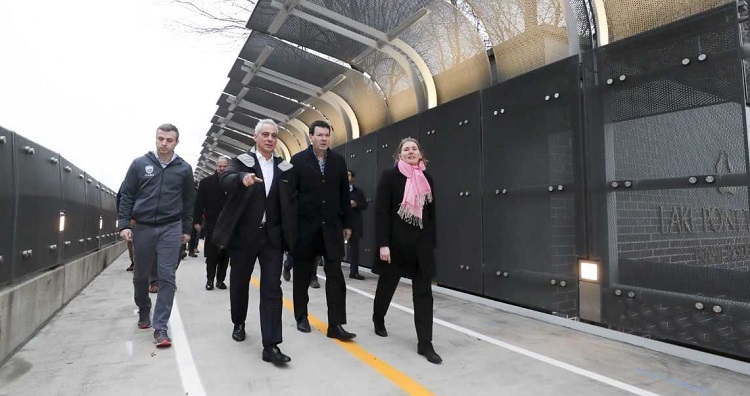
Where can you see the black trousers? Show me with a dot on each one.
(304, 268)
(353, 256)
(421, 290)
(243, 262)
(194, 237)
(217, 261)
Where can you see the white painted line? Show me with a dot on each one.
(191, 381)
(542, 358)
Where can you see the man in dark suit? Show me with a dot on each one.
(208, 203)
(323, 222)
(257, 223)
(359, 203)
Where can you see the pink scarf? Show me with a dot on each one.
(417, 192)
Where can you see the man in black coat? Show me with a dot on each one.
(208, 203)
(257, 223)
(323, 222)
(358, 203)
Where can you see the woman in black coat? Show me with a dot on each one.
(405, 232)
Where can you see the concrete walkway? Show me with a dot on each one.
(92, 347)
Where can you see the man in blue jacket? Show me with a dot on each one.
(158, 193)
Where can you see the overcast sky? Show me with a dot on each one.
(92, 79)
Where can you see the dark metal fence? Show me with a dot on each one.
(50, 210)
(633, 155)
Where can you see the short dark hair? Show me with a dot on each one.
(352, 172)
(318, 123)
(169, 128)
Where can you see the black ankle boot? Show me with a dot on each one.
(380, 328)
(425, 349)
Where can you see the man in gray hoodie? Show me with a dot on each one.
(158, 193)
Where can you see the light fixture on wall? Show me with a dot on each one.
(589, 290)
(589, 270)
(101, 222)
(62, 221)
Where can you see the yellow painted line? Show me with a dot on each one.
(403, 381)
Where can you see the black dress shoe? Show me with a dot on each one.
(425, 349)
(314, 283)
(380, 330)
(192, 254)
(339, 333)
(303, 325)
(221, 285)
(357, 277)
(209, 285)
(238, 334)
(273, 354)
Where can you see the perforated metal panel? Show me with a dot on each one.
(396, 86)
(626, 18)
(260, 97)
(94, 204)
(37, 174)
(366, 99)
(361, 157)
(359, 92)
(525, 34)
(668, 186)
(451, 138)
(389, 138)
(7, 204)
(74, 205)
(108, 233)
(533, 188)
(452, 49)
(290, 60)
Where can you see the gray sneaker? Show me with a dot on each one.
(144, 319)
(161, 339)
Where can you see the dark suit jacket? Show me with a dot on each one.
(209, 201)
(357, 196)
(322, 204)
(410, 246)
(240, 219)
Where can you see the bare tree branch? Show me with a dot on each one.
(225, 18)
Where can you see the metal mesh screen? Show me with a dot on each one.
(530, 141)
(237, 74)
(290, 60)
(366, 99)
(626, 18)
(357, 90)
(74, 205)
(525, 34)
(7, 203)
(452, 49)
(667, 177)
(304, 33)
(584, 22)
(394, 83)
(263, 98)
(39, 192)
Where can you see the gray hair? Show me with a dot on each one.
(266, 121)
(223, 157)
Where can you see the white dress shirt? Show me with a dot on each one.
(266, 166)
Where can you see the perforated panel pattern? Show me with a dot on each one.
(452, 49)
(525, 34)
(626, 18)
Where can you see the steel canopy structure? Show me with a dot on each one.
(363, 65)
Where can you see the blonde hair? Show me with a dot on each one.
(405, 140)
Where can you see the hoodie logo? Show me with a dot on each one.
(285, 166)
(149, 171)
(247, 160)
